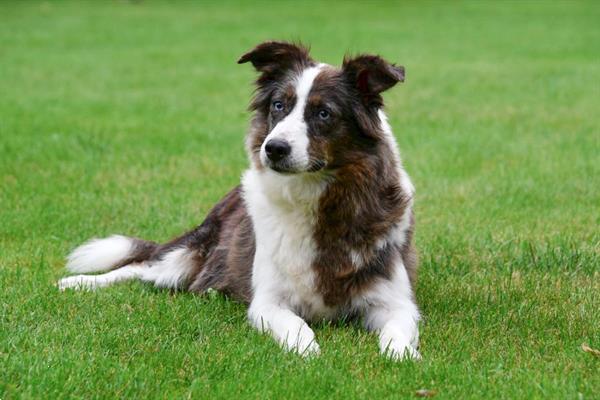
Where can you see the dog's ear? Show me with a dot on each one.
(371, 75)
(269, 58)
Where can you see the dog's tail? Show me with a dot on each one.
(99, 255)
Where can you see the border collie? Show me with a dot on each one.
(321, 226)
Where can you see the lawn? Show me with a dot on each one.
(129, 117)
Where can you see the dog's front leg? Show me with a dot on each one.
(285, 326)
(392, 312)
(270, 312)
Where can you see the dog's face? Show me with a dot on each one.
(311, 117)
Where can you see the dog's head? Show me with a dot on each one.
(310, 116)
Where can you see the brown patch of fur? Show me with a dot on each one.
(259, 130)
(361, 206)
(225, 264)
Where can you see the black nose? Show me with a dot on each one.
(277, 149)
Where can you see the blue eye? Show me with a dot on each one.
(278, 106)
(324, 114)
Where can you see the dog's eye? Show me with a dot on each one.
(278, 105)
(324, 114)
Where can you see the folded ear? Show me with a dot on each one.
(272, 57)
(372, 75)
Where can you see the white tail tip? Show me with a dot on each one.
(99, 254)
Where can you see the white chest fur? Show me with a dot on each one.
(283, 210)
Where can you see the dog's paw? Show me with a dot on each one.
(399, 350)
(303, 343)
(76, 282)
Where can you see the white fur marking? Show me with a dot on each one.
(293, 127)
(172, 270)
(391, 311)
(99, 254)
(91, 282)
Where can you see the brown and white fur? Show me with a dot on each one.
(321, 226)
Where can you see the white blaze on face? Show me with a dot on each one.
(293, 127)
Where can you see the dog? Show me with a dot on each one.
(320, 228)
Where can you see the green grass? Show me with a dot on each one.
(119, 117)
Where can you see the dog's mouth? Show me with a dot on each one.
(286, 169)
(282, 169)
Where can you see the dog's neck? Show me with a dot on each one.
(293, 192)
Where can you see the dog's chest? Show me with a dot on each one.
(284, 235)
(290, 244)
